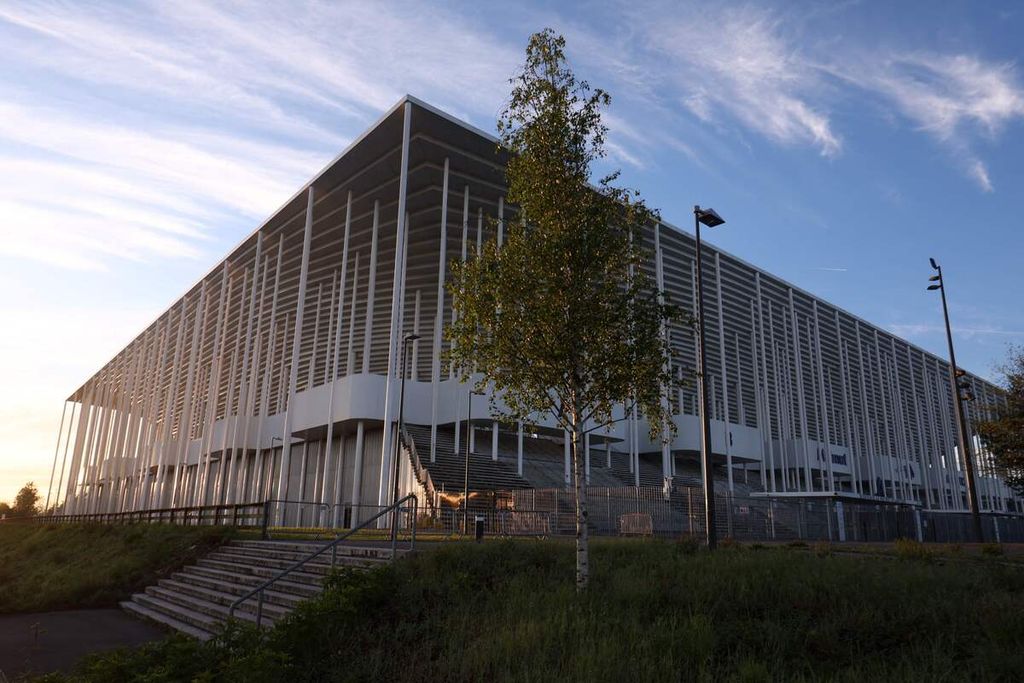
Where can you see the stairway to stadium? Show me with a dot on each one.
(449, 468)
(195, 601)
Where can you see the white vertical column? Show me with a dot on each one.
(332, 378)
(494, 441)
(435, 370)
(394, 338)
(245, 402)
(519, 448)
(72, 429)
(293, 370)
(586, 458)
(726, 418)
(201, 484)
(184, 430)
(371, 290)
(666, 446)
(259, 475)
(566, 458)
(868, 433)
(798, 361)
(823, 404)
(357, 473)
(767, 427)
(56, 453)
(169, 401)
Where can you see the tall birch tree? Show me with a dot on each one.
(561, 320)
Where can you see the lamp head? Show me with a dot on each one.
(708, 217)
(931, 287)
(934, 264)
(411, 337)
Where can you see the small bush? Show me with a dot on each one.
(992, 549)
(688, 544)
(909, 549)
(728, 543)
(823, 549)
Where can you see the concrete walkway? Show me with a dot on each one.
(54, 641)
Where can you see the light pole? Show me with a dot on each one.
(961, 422)
(465, 486)
(406, 340)
(709, 218)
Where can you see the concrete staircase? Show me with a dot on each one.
(195, 600)
(449, 468)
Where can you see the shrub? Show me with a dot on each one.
(992, 549)
(909, 549)
(823, 549)
(688, 544)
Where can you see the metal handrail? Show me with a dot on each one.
(233, 513)
(422, 473)
(333, 547)
(265, 532)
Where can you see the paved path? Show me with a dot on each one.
(50, 641)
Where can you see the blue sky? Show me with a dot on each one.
(844, 142)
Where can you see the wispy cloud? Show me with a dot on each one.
(755, 75)
(954, 98)
(831, 270)
(917, 330)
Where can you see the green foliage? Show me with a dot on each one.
(909, 549)
(657, 612)
(561, 319)
(992, 549)
(56, 566)
(25, 503)
(1003, 435)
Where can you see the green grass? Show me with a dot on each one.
(45, 567)
(656, 611)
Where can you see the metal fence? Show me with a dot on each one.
(649, 511)
(611, 512)
(242, 515)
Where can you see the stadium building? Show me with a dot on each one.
(278, 375)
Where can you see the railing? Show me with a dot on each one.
(422, 473)
(396, 508)
(238, 514)
(278, 509)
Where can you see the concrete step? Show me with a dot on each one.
(175, 611)
(205, 607)
(262, 572)
(322, 565)
(218, 597)
(237, 588)
(165, 620)
(342, 552)
(248, 581)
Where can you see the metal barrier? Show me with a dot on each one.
(547, 512)
(244, 515)
(395, 508)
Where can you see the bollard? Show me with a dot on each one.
(478, 528)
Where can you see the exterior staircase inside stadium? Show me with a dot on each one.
(448, 471)
(195, 601)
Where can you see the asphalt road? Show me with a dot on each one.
(53, 641)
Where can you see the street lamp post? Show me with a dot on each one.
(961, 422)
(709, 218)
(406, 340)
(465, 486)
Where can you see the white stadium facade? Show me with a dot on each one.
(278, 375)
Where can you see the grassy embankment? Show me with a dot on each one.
(46, 567)
(655, 611)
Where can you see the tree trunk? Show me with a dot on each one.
(582, 539)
